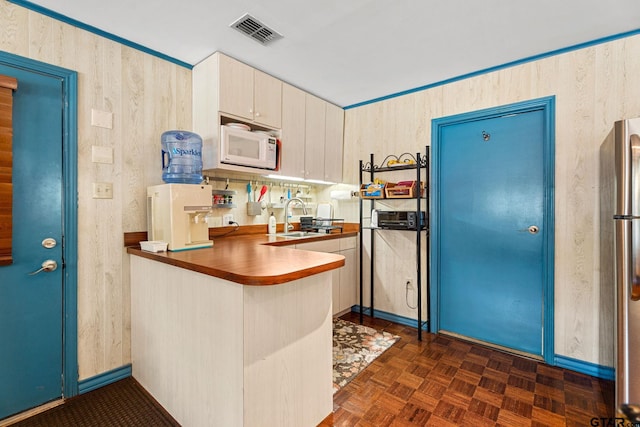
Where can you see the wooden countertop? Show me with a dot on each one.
(255, 259)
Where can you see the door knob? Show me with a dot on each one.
(48, 265)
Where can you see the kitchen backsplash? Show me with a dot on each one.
(274, 198)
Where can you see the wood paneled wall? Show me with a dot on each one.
(147, 96)
(7, 86)
(594, 87)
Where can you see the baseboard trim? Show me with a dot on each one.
(599, 371)
(588, 368)
(402, 320)
(104, 379)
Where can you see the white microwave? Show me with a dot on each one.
(245, 148)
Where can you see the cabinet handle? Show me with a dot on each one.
(251, 110)
(257, 114)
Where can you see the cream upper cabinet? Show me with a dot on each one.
(267, 100)
(249, 93)
(310, 129)
(333, 143)
(293, 131)
(236, 87)
(315, 137)
(312, 137)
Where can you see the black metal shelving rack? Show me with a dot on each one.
(421, 164)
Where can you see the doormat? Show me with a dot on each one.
(354, 348)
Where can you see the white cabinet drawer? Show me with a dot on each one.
(348, 243)
(332, 245)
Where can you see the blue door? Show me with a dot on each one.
(491, 231)
(31, 305)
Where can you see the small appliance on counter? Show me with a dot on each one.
(399, 220)
(176, 215)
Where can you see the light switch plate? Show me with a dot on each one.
(101, 154)
(103, 119)
(103, 190)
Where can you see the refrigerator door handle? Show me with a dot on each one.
(624, 271)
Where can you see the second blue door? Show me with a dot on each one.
(31, 304)
(491, 228)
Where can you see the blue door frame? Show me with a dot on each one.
(547, 106)
(70, 210)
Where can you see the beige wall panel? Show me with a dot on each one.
(117, 340)
(91, 288)
(184, 105)
(41, 40)
(133, 140)
(576, 156)
(14, 30)
(146, 96)
(593, 88)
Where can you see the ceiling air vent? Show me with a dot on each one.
(255, 29)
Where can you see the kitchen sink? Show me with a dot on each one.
(299, 234)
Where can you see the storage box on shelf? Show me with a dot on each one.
(403, 190)
(372, 191)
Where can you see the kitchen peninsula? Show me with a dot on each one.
(235, 335)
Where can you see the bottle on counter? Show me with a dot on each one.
(181, 157)
(272, 224)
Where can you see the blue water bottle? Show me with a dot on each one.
(181, 157)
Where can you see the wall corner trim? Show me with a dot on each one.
(401, 320)
(588, 368)
(104, 379)
(97, 31)
(497, 67)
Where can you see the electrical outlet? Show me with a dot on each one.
(409, 283)
(227, 219)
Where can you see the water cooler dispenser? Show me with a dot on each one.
(176, 215)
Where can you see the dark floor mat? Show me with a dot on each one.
(123, 403)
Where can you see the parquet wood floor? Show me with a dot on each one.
(444, 381)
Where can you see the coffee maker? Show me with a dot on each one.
(176, 214)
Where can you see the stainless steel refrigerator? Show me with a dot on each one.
(620, 250)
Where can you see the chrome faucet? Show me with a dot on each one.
(288, 226)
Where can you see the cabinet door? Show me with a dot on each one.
(236, 88)
(315, 136)
(333, 147)
(335, 291)
(293, 131)
(348, 281)
(267, 100)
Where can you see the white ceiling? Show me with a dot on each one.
(353, 51)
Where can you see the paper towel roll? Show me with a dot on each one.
(340, 194)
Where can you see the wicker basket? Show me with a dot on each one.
(403, 190)
(372, 191)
